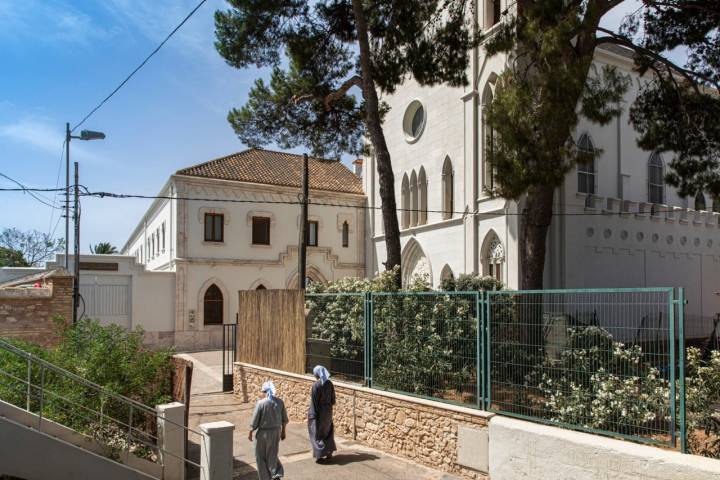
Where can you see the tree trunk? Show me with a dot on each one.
(377, 138)
(536, 219)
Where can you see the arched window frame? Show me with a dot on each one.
(413, 199)
(213, 306)
(488, 135)
(587, 173)
(405, 201)
(422, 197)
(447, 189)
(656, 179)
(700, 202)
(493, 258)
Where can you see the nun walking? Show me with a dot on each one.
(320, 415)
(269, 420)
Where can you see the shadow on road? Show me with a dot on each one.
(348, 458)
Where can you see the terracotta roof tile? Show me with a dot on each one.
(278, 168)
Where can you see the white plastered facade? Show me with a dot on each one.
(678, 247)
(235, 263)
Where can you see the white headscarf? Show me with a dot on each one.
(269, 388)
(321, 373)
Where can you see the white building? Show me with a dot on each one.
(436, 137)
(233, 224)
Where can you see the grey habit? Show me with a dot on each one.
(268, 418)
(320, 419)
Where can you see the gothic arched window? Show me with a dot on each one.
(213, 306)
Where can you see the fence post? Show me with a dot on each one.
(488, 347)
(42, 393)
(681, 369)
(369, 337)
(171, 439)
(479, 352)
(29, 380)
(216, 451)
(673, 368)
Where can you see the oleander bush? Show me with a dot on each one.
(703, 402)
(603, 384)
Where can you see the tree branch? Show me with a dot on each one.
(354, 81)
(689, 75)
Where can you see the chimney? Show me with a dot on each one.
(358, 167)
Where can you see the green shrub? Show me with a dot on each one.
(603, 384)
(703, 403)
(109, 356)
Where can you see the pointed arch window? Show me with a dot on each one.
(656, 179)
(405, 201)
(447, 189)
(586, 171)
(345, 234)
(716, 204)
(422, 197)
(213, 306)
(488, 139)
(261, 287)
(493, 257)
(413, 199)
(700, 203)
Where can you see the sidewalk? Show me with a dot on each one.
(352, 461)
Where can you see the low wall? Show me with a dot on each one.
(522, 450)
(445, 437)
(28, 312)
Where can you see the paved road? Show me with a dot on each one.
(352, 460)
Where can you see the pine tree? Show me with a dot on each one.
(321, 53)
(551, 81)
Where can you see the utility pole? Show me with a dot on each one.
(76, 284)
(302, 251)
(67, 196)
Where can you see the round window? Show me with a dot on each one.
(414, 121)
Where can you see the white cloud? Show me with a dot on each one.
(41, 135)
(52, 22)
(155, 20)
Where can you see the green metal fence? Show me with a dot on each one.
(603, 360)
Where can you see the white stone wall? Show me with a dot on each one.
(521, 450)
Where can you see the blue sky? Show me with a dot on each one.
(60, 58)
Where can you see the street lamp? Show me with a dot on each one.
(84, 135)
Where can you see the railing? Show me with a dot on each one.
(229, 355)
(607, 361)
(120, 425)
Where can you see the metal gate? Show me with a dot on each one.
(229, 355)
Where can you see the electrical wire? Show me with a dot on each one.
(85, 192)
(32, 192)
(142, 64)
(57, 184)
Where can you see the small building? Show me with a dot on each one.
(233, 224)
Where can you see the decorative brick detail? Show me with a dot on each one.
(28, 313)
(423, 431)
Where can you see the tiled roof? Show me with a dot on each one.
(278, 168)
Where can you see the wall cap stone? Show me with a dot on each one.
(620, 447)
(383, 393)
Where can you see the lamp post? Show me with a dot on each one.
(84, 135)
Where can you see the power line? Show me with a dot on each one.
(121, 196)
(32, 192)
(57, 184)
(142, 64)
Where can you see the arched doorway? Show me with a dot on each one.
(414, 263)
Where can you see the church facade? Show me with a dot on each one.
(616, 223)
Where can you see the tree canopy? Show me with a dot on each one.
(551, 81)
(29, 247)
(103, 248)
(320, 53)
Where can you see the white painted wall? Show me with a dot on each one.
(523, 450)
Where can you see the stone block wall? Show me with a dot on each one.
(28, 313)
(420, 430)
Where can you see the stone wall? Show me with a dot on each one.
(28, 312)
(423, 431)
